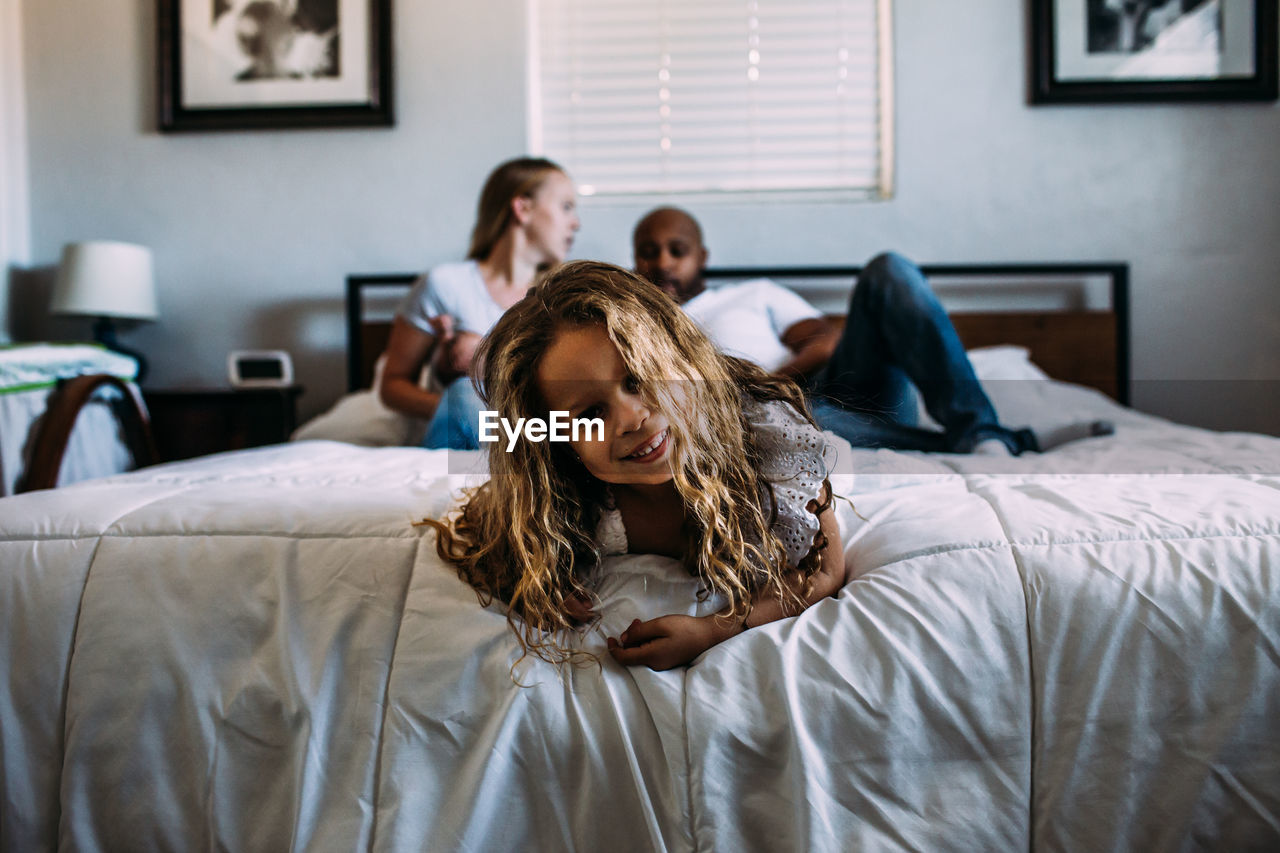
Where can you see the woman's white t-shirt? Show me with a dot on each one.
(456, 289)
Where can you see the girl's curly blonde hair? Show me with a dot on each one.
(527, 535)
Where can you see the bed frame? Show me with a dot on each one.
(1073, 318)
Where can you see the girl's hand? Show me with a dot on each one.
(579, 609)
(665, 642)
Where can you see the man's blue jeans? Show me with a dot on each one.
(456, 424)
(897, 335)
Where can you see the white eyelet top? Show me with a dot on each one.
(795, 462)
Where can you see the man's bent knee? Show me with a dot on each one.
(891, 273)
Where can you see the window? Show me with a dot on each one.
(713, 96)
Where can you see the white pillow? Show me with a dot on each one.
(1004, 362)
(361, 418)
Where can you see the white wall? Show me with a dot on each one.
(254, 232)
(15, 209)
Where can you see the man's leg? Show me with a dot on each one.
(897, 334)
(863, 428)
(456, 422)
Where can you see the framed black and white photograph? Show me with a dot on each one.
(252, 64)
(1097, 51)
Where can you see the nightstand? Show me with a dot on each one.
(191, 422)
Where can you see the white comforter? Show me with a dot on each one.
(260, 651)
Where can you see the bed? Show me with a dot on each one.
(1071, 320)
(57, 426)
(260, 650)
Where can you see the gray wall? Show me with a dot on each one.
(254, 232)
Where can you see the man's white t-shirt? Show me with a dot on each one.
(456, 289)
(749, 319)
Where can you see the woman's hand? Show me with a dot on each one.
(666, 642)
(454, 351)
(461, 351)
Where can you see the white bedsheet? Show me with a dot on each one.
(261, 651)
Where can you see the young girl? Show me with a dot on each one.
(704, 458)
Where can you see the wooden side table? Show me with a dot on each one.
(191, 422)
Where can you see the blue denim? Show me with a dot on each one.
(897, 335)
(456, 425)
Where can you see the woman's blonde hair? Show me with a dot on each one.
(518, 178)
(527, 536)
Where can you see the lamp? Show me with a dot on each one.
(109, 281)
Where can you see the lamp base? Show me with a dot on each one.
(104, 332)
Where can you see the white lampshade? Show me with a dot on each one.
(105, 279)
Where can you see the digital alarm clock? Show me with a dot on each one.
(270, 368)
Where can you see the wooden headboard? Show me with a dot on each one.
(1073, 318)
(371, 303)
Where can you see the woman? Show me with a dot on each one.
(525, 223)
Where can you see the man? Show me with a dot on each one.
(859, 380)
(757, 320)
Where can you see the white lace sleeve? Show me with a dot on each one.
(611, 533)
(795, 462)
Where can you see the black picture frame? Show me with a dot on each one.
(307, 105)
(1049, 85)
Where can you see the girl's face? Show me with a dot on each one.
(583, 373)
(550, 217)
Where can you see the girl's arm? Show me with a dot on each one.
(675, 640)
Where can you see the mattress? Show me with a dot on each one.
(261, 650)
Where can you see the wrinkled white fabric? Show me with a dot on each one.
(261, 651)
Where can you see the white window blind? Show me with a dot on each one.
(694, 96)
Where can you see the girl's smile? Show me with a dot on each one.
(651, 450)
(583, 373)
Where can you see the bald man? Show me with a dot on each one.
(859, 380)
(757, 320)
